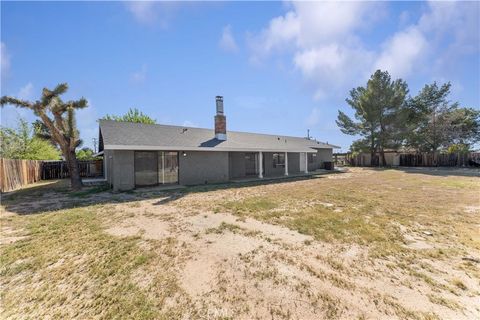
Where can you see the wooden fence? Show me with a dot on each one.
(15, 173)
(424, 159)
(471, 159)
(356, 160)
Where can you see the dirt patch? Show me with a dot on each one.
(9, 235)
(417, 242)
(472, 209)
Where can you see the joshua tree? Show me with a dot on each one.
(59, 119)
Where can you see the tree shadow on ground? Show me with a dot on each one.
(56, 195)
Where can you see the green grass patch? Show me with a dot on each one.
(67, 266)
(324, 223)
(223, 227)
(88, 191)
(251, 205)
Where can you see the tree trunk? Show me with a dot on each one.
(372, 151)
(75, 180)
(382, 154)
(382, 145)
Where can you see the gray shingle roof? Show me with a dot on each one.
(139, 136)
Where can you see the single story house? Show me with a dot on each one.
(137, 154)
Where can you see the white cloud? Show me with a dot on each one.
(152, 13)
(321, 36)
(333, 66)
(327, 57)
(326, 45)
(143, 11)
(25, 93)
(312, 24)
(445, 32)
(442, 15)
(139, 76)
(402, 52)
(458, 21)
(325, 22)
(334, 61)
(282, 31)
(4, 59)
(227, 41)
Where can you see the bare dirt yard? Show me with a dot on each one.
(365, 244)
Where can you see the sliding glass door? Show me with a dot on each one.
(155, 167)
(167, 167)
(146, 168)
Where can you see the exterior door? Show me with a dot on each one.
(167, 167)
(303, 160)
(250, 164)
(146, 168)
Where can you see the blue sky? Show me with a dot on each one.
(282, 67)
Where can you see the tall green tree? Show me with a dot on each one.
(463, 126)
(59, 118)
(378, 109)
(426, 117)
(435, 123)
(21, 143)
(133, 115)
(85, 154)
(360, 145)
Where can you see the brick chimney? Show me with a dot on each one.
(220, 120)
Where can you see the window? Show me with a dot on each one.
(278, 160)
(312, 157)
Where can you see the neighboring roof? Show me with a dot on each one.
(118, 135)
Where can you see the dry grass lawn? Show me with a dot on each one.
(366, 244)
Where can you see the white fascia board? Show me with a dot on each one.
(174, 148)
(324, 147)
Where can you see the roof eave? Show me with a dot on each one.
(327, 146)
(179, 148)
